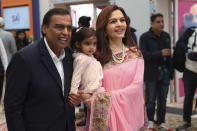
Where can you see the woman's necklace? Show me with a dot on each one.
(119, 59)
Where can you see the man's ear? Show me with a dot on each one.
(44, 29)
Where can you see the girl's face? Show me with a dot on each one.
(88, 45)
(21, 36)
(116, 26)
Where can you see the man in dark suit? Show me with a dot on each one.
(38, 80)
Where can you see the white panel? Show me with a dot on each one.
(44, 7)
(139, 13)
(162, 6)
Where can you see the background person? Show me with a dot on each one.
(3, 67)
(21, 39)
(84, 21)
(8, 40)
(155, 46)
(188, 42)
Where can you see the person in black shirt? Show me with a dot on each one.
(155, 46)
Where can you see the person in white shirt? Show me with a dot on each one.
(3, 55)
(4, 62)
(87, 74)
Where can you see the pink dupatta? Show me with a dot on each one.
(121, 106)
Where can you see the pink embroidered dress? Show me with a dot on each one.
(121, 106)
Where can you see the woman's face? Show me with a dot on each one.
(116, 26)
(21, 36)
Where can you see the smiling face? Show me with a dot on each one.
(88, 45)
(58, 32)
(116, 26)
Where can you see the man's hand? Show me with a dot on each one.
(166, 52)
(75, 99)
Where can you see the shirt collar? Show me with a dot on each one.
(52, 54)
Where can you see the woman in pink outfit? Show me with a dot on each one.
(119, 104)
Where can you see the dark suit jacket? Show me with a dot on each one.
(34, 99)
(151, 46)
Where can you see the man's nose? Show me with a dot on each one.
(65, 30)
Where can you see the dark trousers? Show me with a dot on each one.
(190, 84)
(157, 90)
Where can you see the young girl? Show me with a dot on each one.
(87, 74)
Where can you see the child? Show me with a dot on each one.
(87, 74)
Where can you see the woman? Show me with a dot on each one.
(21, 39)
(119, 106)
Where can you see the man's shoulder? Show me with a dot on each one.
(7, 33)
(146, 34)
(31, 49)
(166, 34)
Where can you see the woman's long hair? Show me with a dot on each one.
(104, 50)
(21, 43)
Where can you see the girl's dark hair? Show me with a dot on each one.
(105, 53)
(78, 35)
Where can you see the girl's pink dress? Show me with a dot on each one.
(121, 106)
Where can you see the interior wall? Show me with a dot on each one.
(162, 6)
(139, 13)
(44, 7)
(10, 3)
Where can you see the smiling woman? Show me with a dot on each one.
(119, 105)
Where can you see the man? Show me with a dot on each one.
(155, 45)
(8, 40)
(187, 44)
(38, 80)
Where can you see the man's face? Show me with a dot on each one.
(158, 24)
(58, 32)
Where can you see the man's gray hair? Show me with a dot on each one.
(2, 23)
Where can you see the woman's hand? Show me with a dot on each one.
(75, 99)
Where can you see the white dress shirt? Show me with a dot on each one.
(58, 62)
(3, 55)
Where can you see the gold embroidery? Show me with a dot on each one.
(101, 108)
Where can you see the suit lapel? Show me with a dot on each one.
(49, 64)
(67, 64)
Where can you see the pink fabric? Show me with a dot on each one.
(125, 81)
